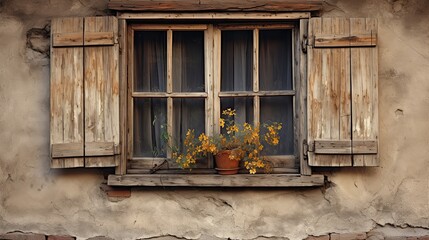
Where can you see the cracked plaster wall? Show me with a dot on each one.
(34, 198)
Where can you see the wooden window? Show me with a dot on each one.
(118, 86)
(256, 79)
(169, 92)
(174, 87)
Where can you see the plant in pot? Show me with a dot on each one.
(236, 142)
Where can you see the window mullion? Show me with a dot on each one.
(256, 100)
(216, 78)
(130, 89)
(208, 55)
(169, 90)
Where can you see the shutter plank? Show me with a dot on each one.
(100, 149)
(345, 40)
(67, 39)
(365, 93)
(333, 147)
(101, 91)
(99, 38)
(66, 99)
(328, 92)
(61, 150)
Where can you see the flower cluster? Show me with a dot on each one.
(244, 140)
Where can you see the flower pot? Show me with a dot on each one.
(224, 165)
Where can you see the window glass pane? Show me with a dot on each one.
(237, 60)
(279, 109)
(188, 61)
(243, 107)
(275, 60)
(150, 61)
(189, 113)
(150, 121)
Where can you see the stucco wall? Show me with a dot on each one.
(34, 198)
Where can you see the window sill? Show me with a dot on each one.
(216, 180)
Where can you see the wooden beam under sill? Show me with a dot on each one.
(215, 180)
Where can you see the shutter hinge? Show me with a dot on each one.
(304, 43)
(307, 147)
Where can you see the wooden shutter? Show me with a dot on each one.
(84, 92)
(342, 92)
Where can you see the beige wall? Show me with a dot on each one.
(34, 198)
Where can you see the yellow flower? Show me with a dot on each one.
(228, 112)
(275, 141)
(231, 129)
(222, 122)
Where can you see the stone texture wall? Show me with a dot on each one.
(388, 202)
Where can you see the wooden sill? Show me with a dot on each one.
(215, 180)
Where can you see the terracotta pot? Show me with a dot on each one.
(224, 165)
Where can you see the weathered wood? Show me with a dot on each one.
(100, 149)
(255, 77)
(293, 170)
(254, 26)
(215, 16)
(354, 67)
(170, 121)
(216, 79)
(170, 110)
(130, 89)
(173, 95)
(208, 83)
(172, 171)
(333, 147)
(169, 61)
(149, 163)
(216, 5)
(169, 26)
(98, 162)
(364, 147)
(67, 39)
(122, 32)
(259, 93)
(61, 150)
(282, 161)
(300, 75)
(328, 92)
(364, 78)
(67, 162)
(99, 38)
(101, 91)
(66, 100)
(216, 180)
(346, 40)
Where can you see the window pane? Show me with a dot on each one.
(279, 109)
(188, 61)
(275, 60)
(189, 113)
(150, 61)
(150, 121)
(237, 60)
(243, 107)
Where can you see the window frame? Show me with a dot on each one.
(169, 94)
(299, 76)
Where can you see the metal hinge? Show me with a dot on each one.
(304, 43)
(156, 167)
(307, 147)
